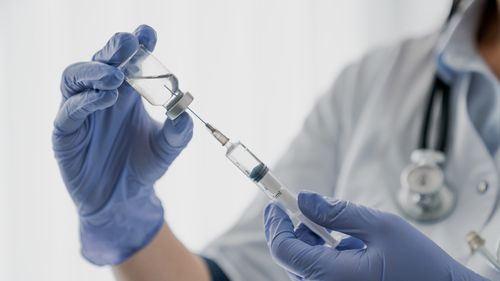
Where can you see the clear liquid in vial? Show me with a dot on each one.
(156, 89)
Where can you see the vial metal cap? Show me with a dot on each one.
(177, 105)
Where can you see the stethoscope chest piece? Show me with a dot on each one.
(424, 195)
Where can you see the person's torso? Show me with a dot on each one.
(387, 130)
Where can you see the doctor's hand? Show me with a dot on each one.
(394, 251)
(111, 152)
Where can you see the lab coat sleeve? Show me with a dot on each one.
(310, 163)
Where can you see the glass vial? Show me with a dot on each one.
(152, 80)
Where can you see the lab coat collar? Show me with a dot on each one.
(456, 49)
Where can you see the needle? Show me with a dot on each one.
(197, 116)
(219, 136)
(190, 110)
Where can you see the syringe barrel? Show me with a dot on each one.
(287, 200)
(264, 178)
(253, 168)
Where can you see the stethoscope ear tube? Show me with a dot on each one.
(439, 90)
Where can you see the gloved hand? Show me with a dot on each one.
(111, 152)
(395, 251)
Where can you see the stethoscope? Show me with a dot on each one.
(424, 195)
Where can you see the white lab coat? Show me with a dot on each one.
(354, 145)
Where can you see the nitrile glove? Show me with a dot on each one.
(111, 152)
(395, 251)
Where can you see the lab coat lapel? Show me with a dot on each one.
(469, 162)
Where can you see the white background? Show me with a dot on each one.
(254, 66)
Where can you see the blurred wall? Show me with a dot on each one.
(254, 66)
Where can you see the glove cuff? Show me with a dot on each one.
(116, 232)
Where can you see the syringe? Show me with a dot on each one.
(149, 77)
(259, 173)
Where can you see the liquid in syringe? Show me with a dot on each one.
(264, 178)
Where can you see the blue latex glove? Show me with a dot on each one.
(394, 249)
(111, 152)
